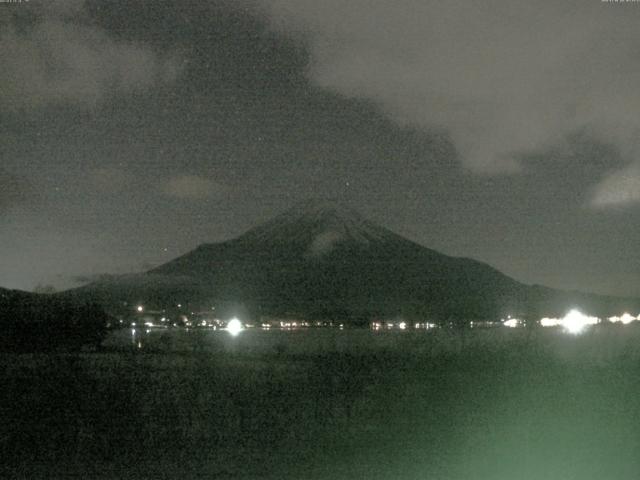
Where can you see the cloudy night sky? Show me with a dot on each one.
(506, 131)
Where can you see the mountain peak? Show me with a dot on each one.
(320, 222)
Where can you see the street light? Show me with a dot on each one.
(234, 326)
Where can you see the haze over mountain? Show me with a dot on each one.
(322, 260)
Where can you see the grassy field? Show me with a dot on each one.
(495, 404)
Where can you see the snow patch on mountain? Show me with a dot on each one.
(324, 242)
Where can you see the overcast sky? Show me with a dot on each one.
(506, 131)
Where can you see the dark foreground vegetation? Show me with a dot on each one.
(489, 405)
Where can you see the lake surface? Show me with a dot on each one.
(261, 341)
(328, 404)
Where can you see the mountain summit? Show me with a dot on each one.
(321, 222)
(322, 260)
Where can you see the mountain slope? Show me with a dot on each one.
(323, 260)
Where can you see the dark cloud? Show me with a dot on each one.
(504, 78)
(53, 58)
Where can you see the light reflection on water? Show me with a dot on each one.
(257, 340)
(431, 341)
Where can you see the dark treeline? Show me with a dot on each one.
(31, 322)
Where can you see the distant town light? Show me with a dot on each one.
(511, 323)
(234, 326)
(625, 319)
(575, 321)
(550, 322)
(140, 308)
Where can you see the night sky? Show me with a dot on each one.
(506, 131)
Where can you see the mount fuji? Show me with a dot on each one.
(322, 260)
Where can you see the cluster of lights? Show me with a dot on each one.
(576, 322)
(512, 322)
(624, 319)
(425, 326)
(573, 322)
(402, 325)
(550, 322)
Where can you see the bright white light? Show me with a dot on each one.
(402, 325)
(575, 321)
(625, 319)
(234, 326)
(511, 323)
(140, 308)
(550, 322)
